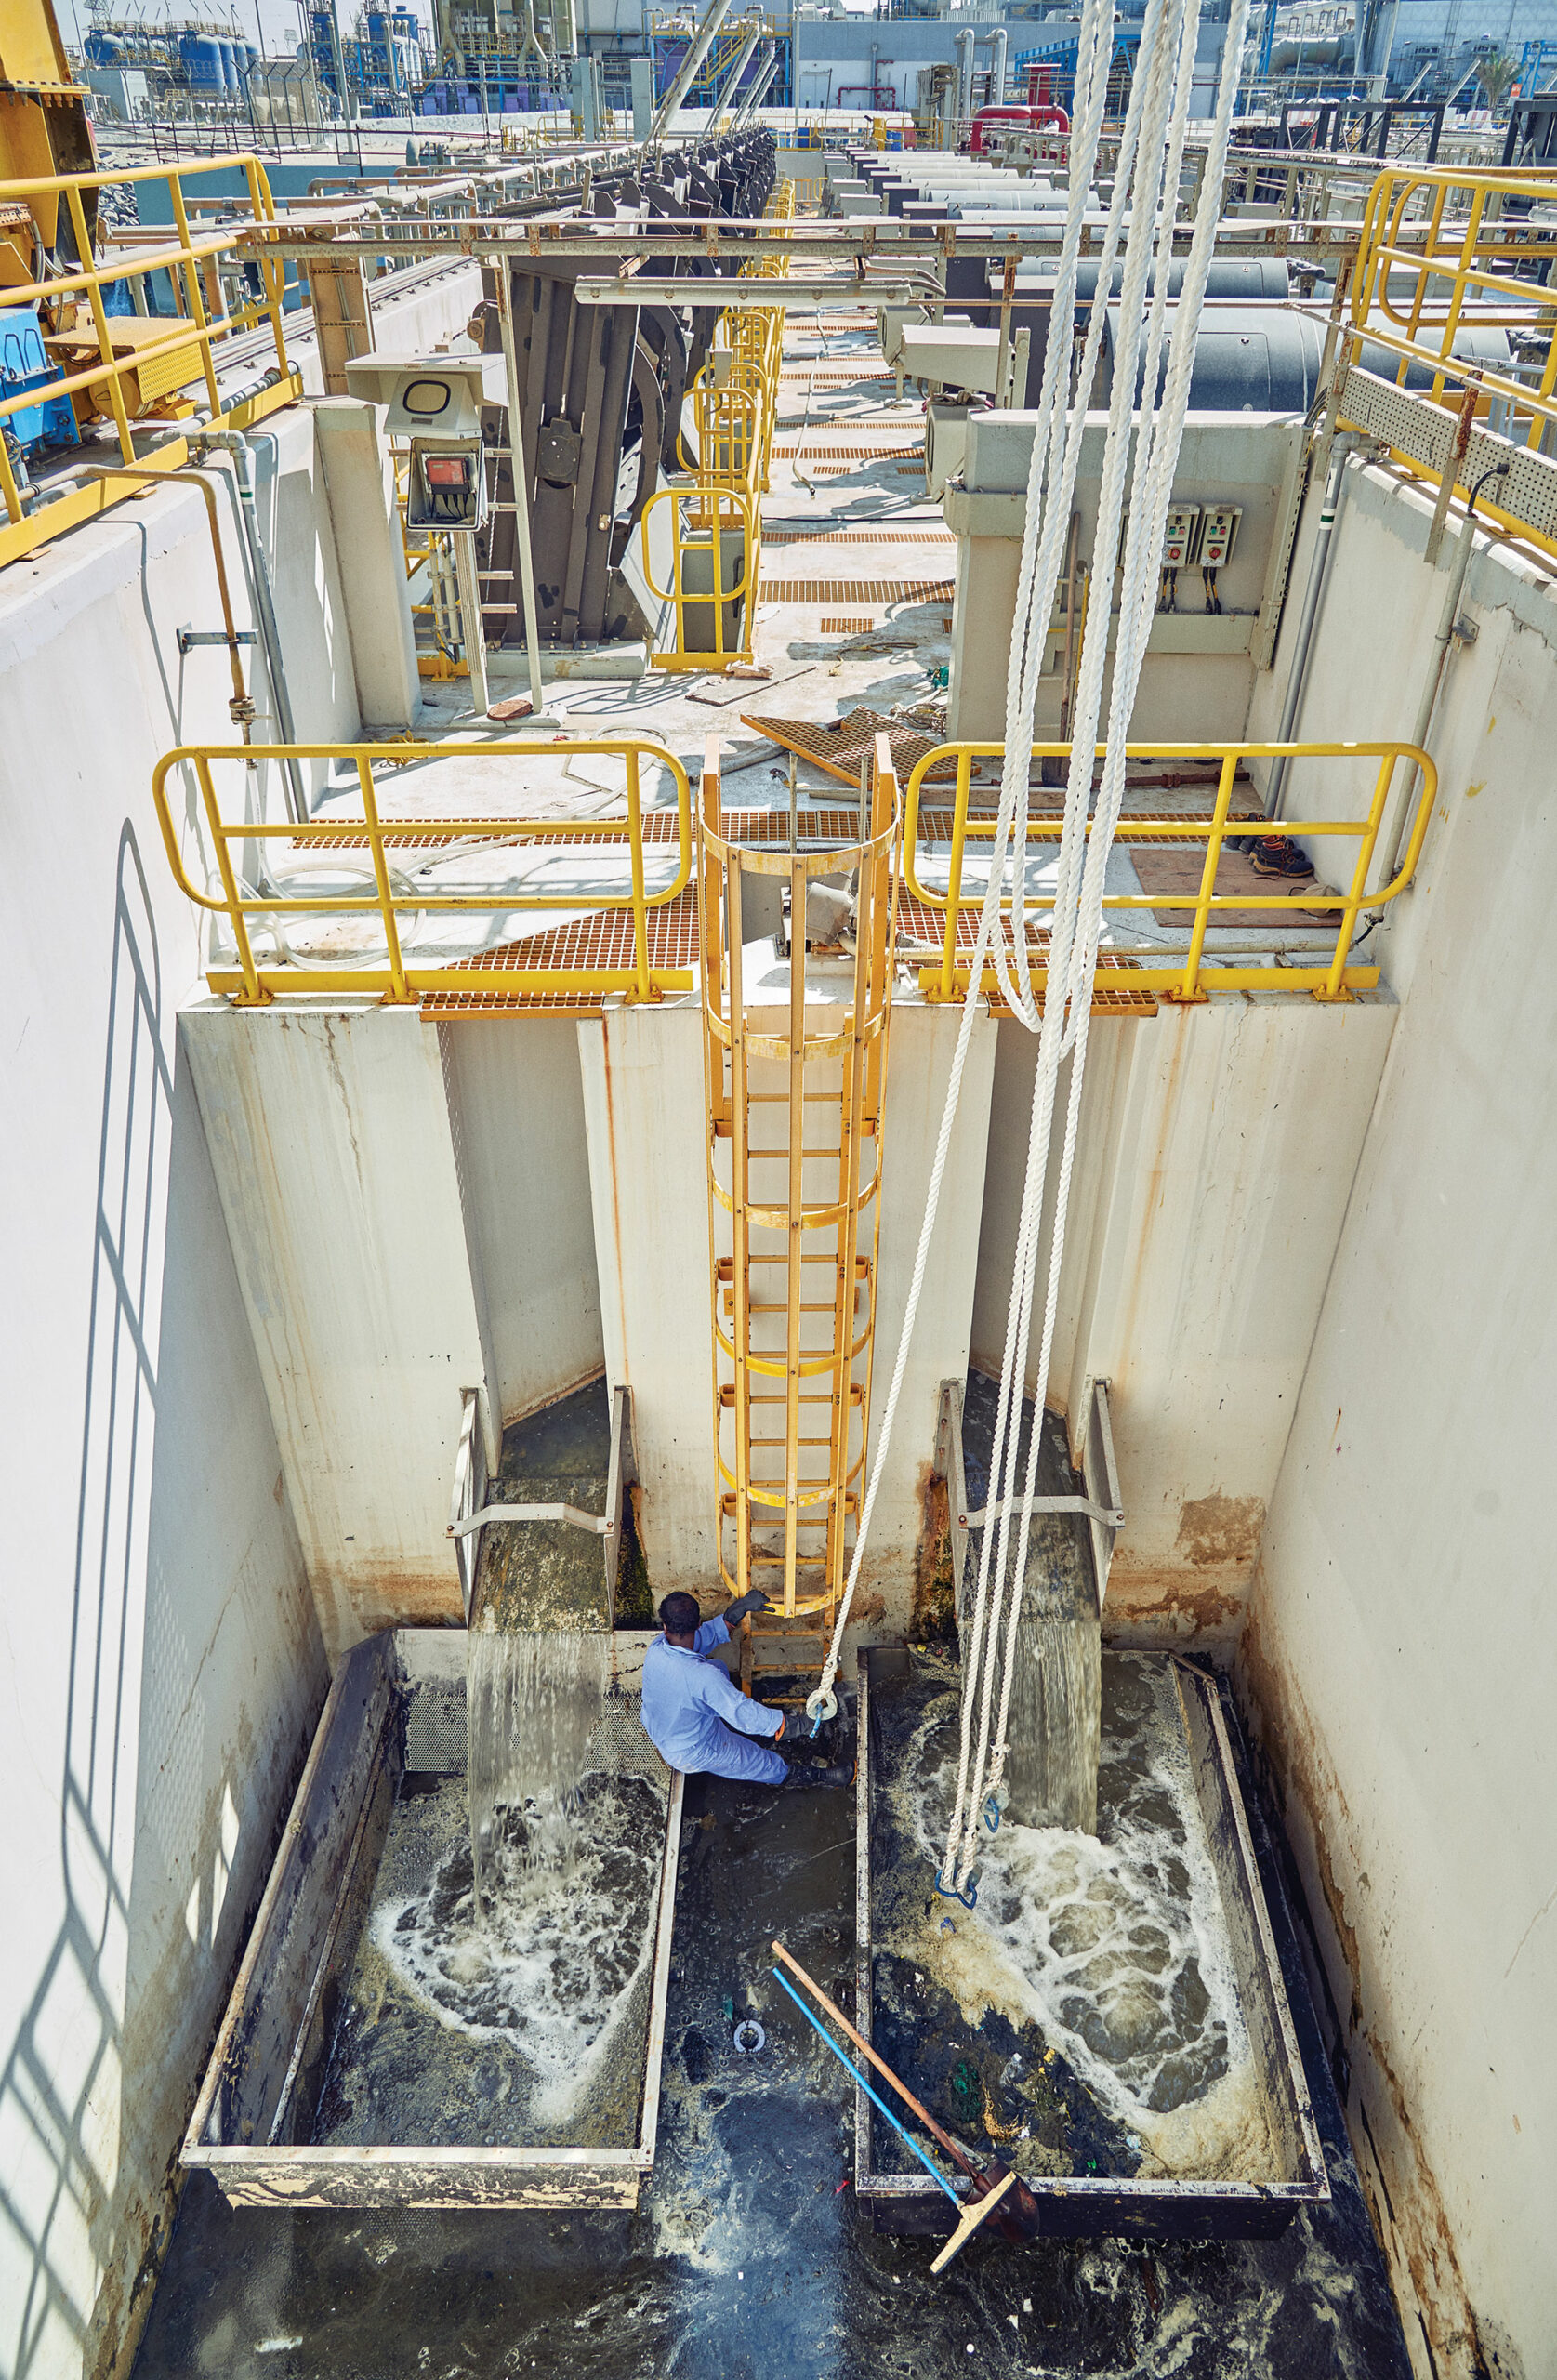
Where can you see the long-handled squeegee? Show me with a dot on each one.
(1018, 2216)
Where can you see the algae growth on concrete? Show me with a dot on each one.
(1083, 2017)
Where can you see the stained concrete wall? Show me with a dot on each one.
(1217, 1149)
(517, 1093)
(330, 1135)
(1400, 1655)
(161, 1670)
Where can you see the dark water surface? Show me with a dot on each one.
(748, 2258)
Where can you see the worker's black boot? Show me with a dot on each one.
(801, 1777)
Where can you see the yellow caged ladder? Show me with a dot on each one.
(795, 1084)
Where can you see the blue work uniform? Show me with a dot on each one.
(701, 1723)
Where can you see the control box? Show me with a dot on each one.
(1219, 535)
(1178, 536)
(447, 485)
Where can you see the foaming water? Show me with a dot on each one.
(1114, 1944)
(550, 1973)
(535, 1701)
(525, 2025)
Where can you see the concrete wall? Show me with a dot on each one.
(517, 1095)
(1400, 1657)
(161, 1670)
(330, 1135)
(1217, 1152)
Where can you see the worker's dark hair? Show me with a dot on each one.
(679, 1615)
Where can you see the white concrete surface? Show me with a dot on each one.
(643, 1107)
(359, 481)
(1217, 1153)
(516, 1095)
(161, 1667)
(919, 1068)
(329, 1133)
(1400, 1653)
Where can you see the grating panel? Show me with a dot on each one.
(845, 628)
(436, 1738)
(856, 590)
(831, 538)
(808, 454)
(840, 746)
(1422, 433)
(620, 1742)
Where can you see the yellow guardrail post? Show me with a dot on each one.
(1334, 989)
(954, 879)
(639, 914)
(401, 990)
(155, 365)
(253, 991)
(1190, 987)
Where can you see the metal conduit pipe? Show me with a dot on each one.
(997, 67)
(717, 12)
(964, 75)
(240, 706)
(1318, 570)
(233, 443)
(754, 98)
(1398, 818)
(743, 60)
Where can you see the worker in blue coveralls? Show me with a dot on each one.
(700, 1722)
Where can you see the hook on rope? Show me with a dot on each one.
(821, 1706)
(995, 1805)
(968, 1899)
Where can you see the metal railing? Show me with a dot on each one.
(401, 850)
(1192, 976)
(140, 378)
(1440, 252)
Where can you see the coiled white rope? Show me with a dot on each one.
(1155, 132)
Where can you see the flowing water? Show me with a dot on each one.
(1098, 1965)
(534, 1703)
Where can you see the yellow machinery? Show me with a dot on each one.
(795, 1096)
(44, 132)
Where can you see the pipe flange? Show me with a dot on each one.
(749, 2037)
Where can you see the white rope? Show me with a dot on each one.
(1166, 50)
(1163, 31)
(1156, 457)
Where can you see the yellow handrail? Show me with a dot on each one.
(204, 319)
(1190, 978)
(1459, 248)
(254, 982)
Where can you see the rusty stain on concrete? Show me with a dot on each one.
(1407, 2205)
(1220, 1531)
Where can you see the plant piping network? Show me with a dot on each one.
(1151, 154)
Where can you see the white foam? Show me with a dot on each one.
(1118, 1949)
(551, 1970)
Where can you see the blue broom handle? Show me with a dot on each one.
(932, 2168)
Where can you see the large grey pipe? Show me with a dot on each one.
(758, 92)
(718, 11)
(997, 67)
(1329, 509)
(742, 58)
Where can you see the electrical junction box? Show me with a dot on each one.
(1219, 535)
(429, 396)
(1178, 536)
(448, 484)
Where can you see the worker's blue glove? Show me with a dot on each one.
(754, 1600)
